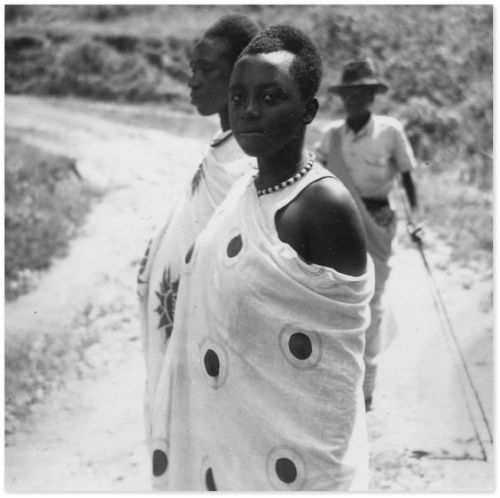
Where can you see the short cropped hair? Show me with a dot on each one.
(236, 30)
(306, 68)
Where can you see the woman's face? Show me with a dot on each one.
(210, 73)
(266, 111)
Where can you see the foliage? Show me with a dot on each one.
(45, 202)
(441, 86)
(94, 69)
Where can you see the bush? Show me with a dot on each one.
(17, 12)
(96, 70)
(429, 127)
(45, 203)
(28, 64)
(104, 13)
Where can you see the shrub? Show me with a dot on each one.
(104, 13)
(429, 127)
(17, 12)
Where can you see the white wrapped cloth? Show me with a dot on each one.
(261, 384)
(222, 164)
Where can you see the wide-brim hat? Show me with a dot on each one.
(360, 73)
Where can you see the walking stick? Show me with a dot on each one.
(473, 402)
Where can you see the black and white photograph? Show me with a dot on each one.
(249, 247)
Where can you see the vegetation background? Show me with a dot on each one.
(437, 60)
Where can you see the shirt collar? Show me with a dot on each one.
(365, 131)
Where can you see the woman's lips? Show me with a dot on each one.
(248, 133)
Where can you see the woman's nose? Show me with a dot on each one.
(252, 109)
(194, 80)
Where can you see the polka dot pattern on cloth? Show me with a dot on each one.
(234, 246)
(210, 481)
(285, 469)
(160, 463)
(300, 345)
(189, 254)
(301, 348)
(214, 362)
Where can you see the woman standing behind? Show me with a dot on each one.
(212, 61)
(261, 388)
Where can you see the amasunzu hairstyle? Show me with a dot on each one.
(306, 67)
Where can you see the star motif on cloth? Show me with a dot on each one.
(195, 182)
(167, 297)
(143, 264)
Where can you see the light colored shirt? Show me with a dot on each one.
(373, 155)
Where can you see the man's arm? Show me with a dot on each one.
(411, 191)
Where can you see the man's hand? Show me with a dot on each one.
(416, 232)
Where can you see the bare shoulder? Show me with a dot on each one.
(328, 196)
(335, 229)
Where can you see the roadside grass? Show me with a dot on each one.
(39, 363)
(462, 215)
(457, 213)
(45, 204)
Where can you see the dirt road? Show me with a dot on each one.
(89, 437)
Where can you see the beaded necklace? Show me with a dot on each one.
(290, 181)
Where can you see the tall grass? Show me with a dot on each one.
(460, 214)
(45, 204)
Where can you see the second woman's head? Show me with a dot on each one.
(212, 62)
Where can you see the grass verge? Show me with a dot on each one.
(45, 204)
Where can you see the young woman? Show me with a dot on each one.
(261, 387)
(212, 62)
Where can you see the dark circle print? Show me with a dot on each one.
(189, 254)
(212, 364)
(209, 480)
(234, 246)
(160, 462)
(286, 470)
(300, 345)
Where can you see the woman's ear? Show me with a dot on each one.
(310, 110)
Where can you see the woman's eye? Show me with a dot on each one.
(202, 68)
(235, 98)
(270, 98)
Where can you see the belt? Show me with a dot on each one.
(373, 204)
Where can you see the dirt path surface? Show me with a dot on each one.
(89, 436)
